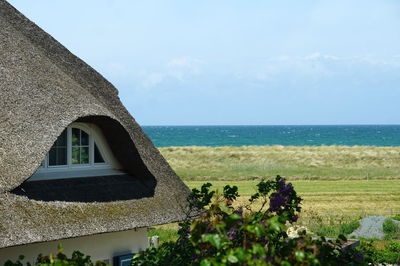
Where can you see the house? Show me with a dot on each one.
(75, 167)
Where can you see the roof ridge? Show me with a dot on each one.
(68, 62)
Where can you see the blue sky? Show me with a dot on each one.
(238, 62)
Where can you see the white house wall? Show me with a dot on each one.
(99, 247)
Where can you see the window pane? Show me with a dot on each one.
(84, 155)
(53, 156)
(84, 138)
(97, 155)
(58, 156)
(76, 137)
(76, 156)
(62, 139)
(62, 156)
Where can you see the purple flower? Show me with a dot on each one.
(281, 197)
(269, 258)
(277, 200)
(232, 233)
(293, 218)
(286, 189)
(239, 211)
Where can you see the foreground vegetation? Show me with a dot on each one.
(295, 162)
(335, 200)
(306, 252)
(250, 234)
(329, 208)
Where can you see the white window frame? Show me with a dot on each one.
(109, 167)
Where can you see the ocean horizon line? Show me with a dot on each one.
(286, 135)
(278, 125)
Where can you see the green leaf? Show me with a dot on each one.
(205, 263)
(235, 216)
(258, 230)
(275, 224)
(214, 239)
(233, 259)
(299, 255)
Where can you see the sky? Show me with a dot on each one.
(231, 62)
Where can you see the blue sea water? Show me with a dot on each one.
(367, 135)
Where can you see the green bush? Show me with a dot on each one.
(60, 259)
(389, 254)
(254, 234)
(335, 230)
(396, 217)
(391, 229)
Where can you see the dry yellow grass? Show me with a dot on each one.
(293, 162)
(367, 179)
(352, 198)
(325, 203)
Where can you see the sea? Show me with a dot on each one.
(349, 135)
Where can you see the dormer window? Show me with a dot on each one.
(81, 150)
(58, 153)
(80, 146)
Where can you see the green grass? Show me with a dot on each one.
(335, 229)
(396, 217)
(383, 251)
(329, 207)
(391, 229)
(166, 232)
(338, 184)
(352, 198)
(296, 163)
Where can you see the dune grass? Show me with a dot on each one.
(294, 162)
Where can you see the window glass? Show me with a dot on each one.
(80, 146)
(97, 155)
(84, 155)
(84, 138)
(58, 152)
(76, 137)
(76, 155)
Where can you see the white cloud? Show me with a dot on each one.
(177, 69)
(317, 66)
(151, 79)
(317, 56)
(185, 61)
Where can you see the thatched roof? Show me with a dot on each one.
(43, 89)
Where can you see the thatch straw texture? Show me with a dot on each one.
(44, 88)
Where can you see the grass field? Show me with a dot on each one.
(345, 198)
(338, 184)
(328, 206)
(293, 162)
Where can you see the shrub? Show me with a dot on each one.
(60, 259)
(391, 229)
(396, 217)
(389, 254)
(254, 234)
(334, 230)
